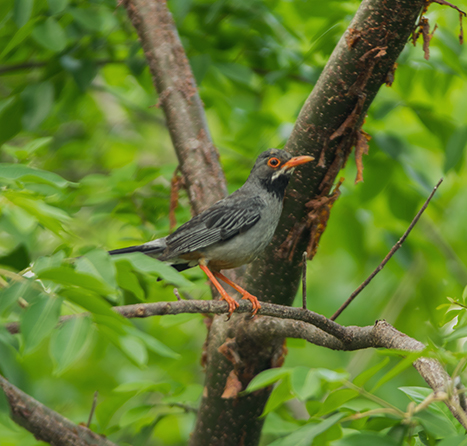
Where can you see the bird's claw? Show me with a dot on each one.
(254, 302)
(233, 305)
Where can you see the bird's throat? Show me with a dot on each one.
(276, 186)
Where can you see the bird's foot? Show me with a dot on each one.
(254, 301)
(233, 304)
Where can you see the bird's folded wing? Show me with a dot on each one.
(219, 223)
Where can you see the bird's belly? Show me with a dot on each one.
(241, 249)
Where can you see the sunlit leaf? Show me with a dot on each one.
(305, 435)
(266, 378)
(39, 319)
(69, 342)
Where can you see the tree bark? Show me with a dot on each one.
(327, 128)
(46, 424)
(179, 98)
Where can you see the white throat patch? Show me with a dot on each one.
(280, 172)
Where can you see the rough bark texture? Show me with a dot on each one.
(179, 98)
(45, 424)
(327, 128)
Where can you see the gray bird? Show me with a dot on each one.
(233, 231)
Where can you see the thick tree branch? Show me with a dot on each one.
(273, 322)
(46, 424)
(327, 128)
(179, 98)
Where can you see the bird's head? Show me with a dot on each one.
(274, 167)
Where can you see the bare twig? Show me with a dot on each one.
(304, 258)
(177, 294)
(93, 408)
(389, 255)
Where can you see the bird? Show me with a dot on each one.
(232, 232)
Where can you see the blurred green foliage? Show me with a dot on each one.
(86, 163)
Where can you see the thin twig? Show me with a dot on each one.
(93, 408)
(177, 294)
(304, 259)
(388, 257)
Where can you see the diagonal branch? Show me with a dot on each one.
(46, 424)
(179, 98)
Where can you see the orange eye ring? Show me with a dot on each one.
(274, 162)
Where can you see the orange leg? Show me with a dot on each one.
(246, 295)
(233, 304)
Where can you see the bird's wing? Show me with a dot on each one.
(218, 223)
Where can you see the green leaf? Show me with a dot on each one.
(19, 36)
(459, 440)
(49, 216)
(83, 71)
(397, 369)
(306, 434)
(134, 349)
(366, 375)
(280, 394)
(69, 277)
(24, 152)
(97, 263)
(38, 101)
(20, 172)
(88, 18)
(50, 35)
(10, 117)
(22, 11)
(127, 280)
(9, 296)
(92, 302)
(9, 365)
(336, 399)
(57, 6)
(366, 439)
(305, 382)
(48, 262)
(146, 264)
(39, 319)
(266, 378)
(438, 425)
(106, 409)
(69, 342)
(455, 148)
(152, 343)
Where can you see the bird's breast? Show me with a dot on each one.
(245, 247)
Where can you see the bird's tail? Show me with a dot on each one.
(153, 248)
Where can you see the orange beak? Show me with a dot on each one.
(296, 161)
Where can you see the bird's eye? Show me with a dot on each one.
(273, 162)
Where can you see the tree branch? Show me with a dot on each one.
(179, 98)
(273, 322)
(46, 424)
(393, 250)
(326, 128)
